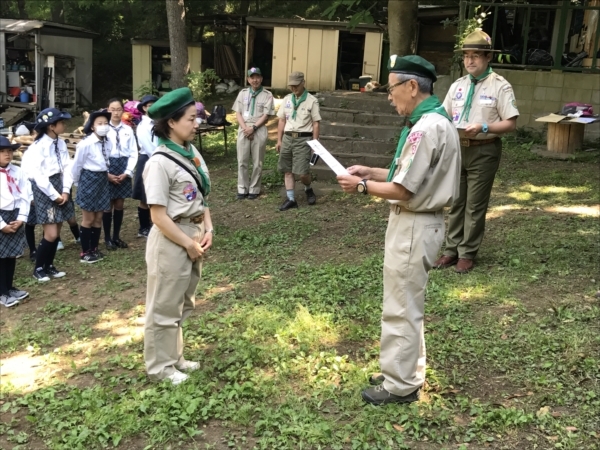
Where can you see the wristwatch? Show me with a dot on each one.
(362, 187)
(211, 231)
(484, 128)
(254, 127)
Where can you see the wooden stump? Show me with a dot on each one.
(565, 137)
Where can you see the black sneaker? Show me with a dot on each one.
(119, 243)
(110, 245)
(241, 196)
(54, 272)
(40, 275)
(32, 256)
(288, 204)
(311, 198)
(252, 196)
(88, 258)
(379, 396)
(144, 233)
(98, 254)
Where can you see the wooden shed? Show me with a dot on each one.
(152, 63)
(327, 52)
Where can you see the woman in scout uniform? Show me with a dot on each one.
(123, 159)
(177, 184)
(299, 119)
(90, 174)
(483, 107)
(48, 167)
(14, 210)
(26, 129)
(147, 143)
(252, 107)
(422, 180)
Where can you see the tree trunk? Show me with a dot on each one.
(177, 40)
(402, 26)
(22, 11)
(57, 10)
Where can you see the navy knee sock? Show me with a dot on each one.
(75, 231)
(7, 274)
(44, 248)
(118, 215)
(51, 253)
(95, 237)
(107, 218)
(30, 236)
(86, 239)
(144, 217)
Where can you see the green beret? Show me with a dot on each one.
(412, 65)
(170, 103)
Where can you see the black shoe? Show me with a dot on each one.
(379, 396)
(241, 196)
(89, 258)
(119, 243)
(110, 245)
(288, 204)
(40, 275)
(376, 379)
(53, 272)
(144, 233)
(252, 196)
(32, 256)
(98, 254)
(311, 198)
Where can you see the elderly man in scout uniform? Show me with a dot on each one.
(422, 180)
(252, 107)
(483, 107)
(299, 119)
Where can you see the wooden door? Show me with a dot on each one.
(142, 66)
(300, 50)
(281, 40)
(372, 55)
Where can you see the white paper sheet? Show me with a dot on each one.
(327, 157)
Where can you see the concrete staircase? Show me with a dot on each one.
(357, 128)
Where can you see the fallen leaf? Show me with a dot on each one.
(504, 337)
(519, 395)
(556, 414)
(572, 429)
(398, 428)
(543, 411)
(553, 438)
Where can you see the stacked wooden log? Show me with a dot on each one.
(225, 62)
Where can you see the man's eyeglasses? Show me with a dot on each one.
(391, 88)
(474, 57)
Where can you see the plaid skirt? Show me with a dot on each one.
(11, 244)
(117, 167)
(46, 210)
(32, 219)
(139, 193)
(93, 192)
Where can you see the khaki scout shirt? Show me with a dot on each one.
(263, 104)
(307, 113)
(493, 101)
(167, 184)
(430, 165)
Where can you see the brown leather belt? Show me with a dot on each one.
(397, 209)
(183, 220)
(297, 134)
(464, 142)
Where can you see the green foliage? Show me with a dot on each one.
(358, 11)
(146, 89)
(464, 28)
(202, 83)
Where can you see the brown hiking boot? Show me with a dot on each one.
(445, 261)
(464, 265)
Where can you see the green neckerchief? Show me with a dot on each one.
(298, 102)
(189, 154)
(429, 105)
(469, 100)
(253, 101)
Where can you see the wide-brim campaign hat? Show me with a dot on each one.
(145, 100)
(5, 143)
(49, 116)
(87, 129)
(478, 40)
(25, 129)
(412, 65)
(170, 103)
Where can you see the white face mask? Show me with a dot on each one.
(102, 130)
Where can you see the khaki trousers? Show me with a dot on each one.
(466, 220)
(412, 242)
(170, 298)
(254, 149)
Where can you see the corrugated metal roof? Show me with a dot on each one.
(25, 26)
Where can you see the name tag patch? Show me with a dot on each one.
(486, 100)
(190, 192)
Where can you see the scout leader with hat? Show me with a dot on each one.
(422, 180)
(299, 119)
(147, 143)
(90, 174)
(483, 107)
(14, 210)
(48, 167)
(252, 107)
(177, 184)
